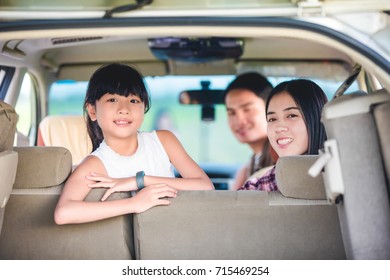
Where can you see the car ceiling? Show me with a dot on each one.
(77, 9)
(74, 53)
(73, 45)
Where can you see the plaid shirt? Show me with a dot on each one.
(265, 183)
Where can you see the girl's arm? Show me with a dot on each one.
(71, 207)
(193, 177)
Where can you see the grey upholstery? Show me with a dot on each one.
(8, 165)
(245, 224)
(8, 158)
(382, 120)
(364, 211)
(8, 120)
(42, 167)
(297, 167)
(29, 231)
(238, 225)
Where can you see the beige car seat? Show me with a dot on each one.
(66, 131)
(29, 231)
(8, 158)
(296, 222)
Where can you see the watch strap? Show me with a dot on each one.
(139, 178)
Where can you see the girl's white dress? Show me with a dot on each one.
(150, 157)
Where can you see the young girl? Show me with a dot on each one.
(293, 112)
(124, 159)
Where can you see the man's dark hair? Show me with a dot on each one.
(252, 81)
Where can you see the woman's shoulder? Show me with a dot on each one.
(263, 171)
(266, 182)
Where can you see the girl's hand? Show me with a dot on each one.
(153, 195)
(113, 184)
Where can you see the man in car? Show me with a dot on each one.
(245, 99)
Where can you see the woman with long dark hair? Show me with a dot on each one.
(293, 112)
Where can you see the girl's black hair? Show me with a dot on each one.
(115, 79)
(310, 99)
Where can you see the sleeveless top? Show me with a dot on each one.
(150, 157)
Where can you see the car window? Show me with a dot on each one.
(6, 75)
(25, 105)
(206, 141)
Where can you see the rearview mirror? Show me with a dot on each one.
(204, 96)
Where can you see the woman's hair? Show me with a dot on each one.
(252, 81)
(115, 79)
(310, 99)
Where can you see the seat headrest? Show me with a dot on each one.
(42, 167)
(8, 120)
(294, 181)
(353, 104)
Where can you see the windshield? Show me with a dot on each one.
(206, 141)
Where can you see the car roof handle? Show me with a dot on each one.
(126, 8)
(348, 82)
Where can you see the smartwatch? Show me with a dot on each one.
(139, 178)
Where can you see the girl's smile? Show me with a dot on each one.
(122, 122)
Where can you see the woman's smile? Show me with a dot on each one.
(286, 128)
(282, 142)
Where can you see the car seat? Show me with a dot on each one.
(296, 222)
(356, 161)
(8, 157)
(66, 131)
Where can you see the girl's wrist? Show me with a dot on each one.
(133, 184)
(139, 179)
(132, 205)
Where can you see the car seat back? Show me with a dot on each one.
(357, 124)
(382, 121)
(8, 120)
(8, 158)
(66, 131)
(29, 231)
(245, 224)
